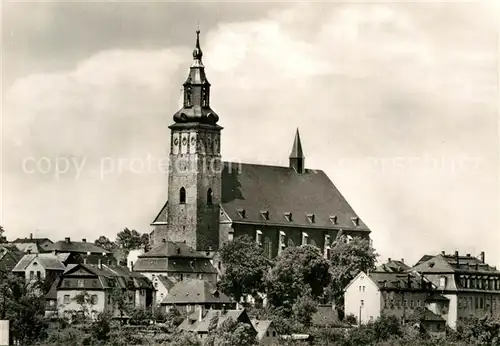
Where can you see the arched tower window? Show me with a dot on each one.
(209, 197)
(182, 195)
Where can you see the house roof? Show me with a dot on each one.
(431, 316)
(395, 281)
(174, 265)
(448, 264)
(261, 326)
(195, 291)
(393, 266)
(165, 281)
(28, 247)
(281, 190)
(192, 323)
(173, 249)
(110, 275)
(46, 260)
(31, 240)
(326, 315)
(76, 246)
(9, 257)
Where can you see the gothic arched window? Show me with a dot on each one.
(182, 195)
(209, 196)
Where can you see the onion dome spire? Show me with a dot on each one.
(196, 105)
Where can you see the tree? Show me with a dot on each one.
(120, 301)
(140, 317)
(145, 242)
(245, 266)
(101, 328)
(24, 308)
(298, 271)
(230, 333)
(105, 243)
(3, 239)
(347, 260)
(303, 310)
(478, 331)
(84, 299)
(129, 239)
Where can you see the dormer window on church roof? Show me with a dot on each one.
(265, 214)
(242, 213)
(311, 218)
(333, 219)
(355, 221)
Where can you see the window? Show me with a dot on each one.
(327, 247)
(161, 296)
(267, 247)
(230, 236)
(305, 238)
(411, 303)
(182, 195)
(288, 216)
(267, 333)
(362, 302)
(81, 283)
(364, 288)
(209, 197)
(258, 237)
(442, 281)
(93, 299)
(282, 244)
(38, 275)
(274, 333)
(32, 275)
(481, 303)
(66, 299)
(360, 288)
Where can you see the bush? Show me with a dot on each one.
(140, 317)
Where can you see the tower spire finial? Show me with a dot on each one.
(197, 53)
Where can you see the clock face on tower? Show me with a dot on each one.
(184, 141)
(176, 141)
(182, 165)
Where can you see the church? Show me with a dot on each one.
(210, 202)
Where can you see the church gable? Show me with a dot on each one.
(161, 218)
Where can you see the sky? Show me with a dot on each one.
(396, 102)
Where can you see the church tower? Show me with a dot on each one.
(194, 175)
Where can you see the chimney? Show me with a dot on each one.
(28, 251)
(482, 257)
(443, 253)
(389, 259)
(402, 260)
(67, 240)
(468, 255)
(456, 258)
(84, 240)
(85, 260)
(99, 263)
(164, 240)
(31, 235)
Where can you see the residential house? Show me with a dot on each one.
(266, 332)
(189, 295)
(199, 321)
(33, 245)
(176, 261)
(162, 285)
(101, 282)
(368, 296)
(90, 253)
(42, 267)
(469, 283)
(393, 266)
(9, 256)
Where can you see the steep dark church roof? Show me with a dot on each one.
(287, 197)
(276, 195)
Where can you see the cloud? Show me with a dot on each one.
(403, 124)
